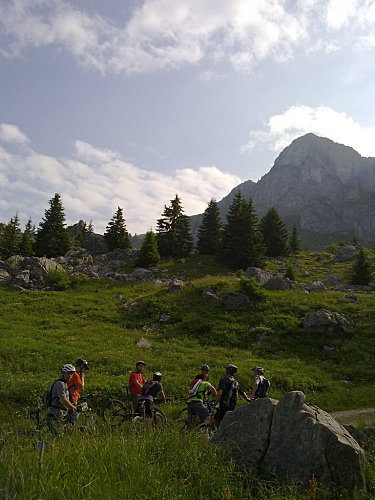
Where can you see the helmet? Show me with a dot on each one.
(82, 362)
(205, 368)
(232, 369)
(259, 370)
(140, 363)
(68, 368)
(157, 376)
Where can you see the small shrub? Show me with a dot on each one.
(289, 273)
(57, 279)
(78, 279)
(251, 288)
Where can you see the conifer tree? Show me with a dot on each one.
(11, 238)
(28, 240)
(242, 244)
(361, 271)
(149, 254)
(275, 234)
(210, 232)
(174, 238)
(52, 239)
(116, 234)
(294, 241)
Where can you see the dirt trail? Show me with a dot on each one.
(353, 413)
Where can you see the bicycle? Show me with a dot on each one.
(116, 411)
(158, 416)
(190, 421)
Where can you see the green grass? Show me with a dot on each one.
(39, 331)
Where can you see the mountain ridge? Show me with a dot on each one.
(327, 189)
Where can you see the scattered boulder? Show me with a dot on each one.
(4, 275)
(175, 285)
(96, 244)
(78, 257)
(315, 286)
(23, 279)
(278, 283)
(351, 297)
(140, 274)
(260, 275)
(39, 267)
(346, 253)
(332, 281)
(235, 300)
(14, 262)
(210, 295)
(143, 343)
(327, 321)
(164, 318)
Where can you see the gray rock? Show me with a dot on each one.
(96, 244)
(140, 274)
(176, 285)
(351, 297)
(39, 267)
(3, 264)
(307, 442)
(278, 283)
(247, 429)
(315, 286)
(78, 257)
(210, 295)
(164, 318)
(4, 275)
(327, 321)
(346, 253)
(235, 300)
(260, 275)
(23, 278)
(143, 343)
(14, 262)
(264, 338)
(332, 281)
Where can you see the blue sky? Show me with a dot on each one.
(128, 102)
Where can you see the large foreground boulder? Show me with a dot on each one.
(294, 442)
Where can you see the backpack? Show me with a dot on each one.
(193, 391)
(263, 388)
(48, 399)
(231, 397)
(147, 387)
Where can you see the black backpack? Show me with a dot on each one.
(263, 388)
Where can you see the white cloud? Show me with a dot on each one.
(280, 130)
(94, 181)
(12, 134)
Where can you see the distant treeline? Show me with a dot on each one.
(242, 241)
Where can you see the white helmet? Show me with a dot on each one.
(68, 368)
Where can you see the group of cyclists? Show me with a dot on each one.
(64, 393)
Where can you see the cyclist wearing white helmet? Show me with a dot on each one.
(60, 403)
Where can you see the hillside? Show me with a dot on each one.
(103, 320)
(326, 188)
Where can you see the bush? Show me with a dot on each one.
(251, 288)
(57, 279)
(289, 273)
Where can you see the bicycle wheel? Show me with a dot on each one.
(115, 412)
(86, 421)
(159, 418)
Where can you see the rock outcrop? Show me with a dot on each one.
(294, 442)
(327, 321)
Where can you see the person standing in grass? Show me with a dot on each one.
(203, 375)
(227, 392)
(261, 384)
(197, 394)
(59, 403)
(136, 382)
(150, 390)
(76, 382)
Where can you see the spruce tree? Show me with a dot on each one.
(52, 239)
(242, 244)
(28, 240)
(149, 254)
(11, 238)
(361, 271)
(275, 234)
(294, 241)
(210, 232)
(116, 234)
(174, 238)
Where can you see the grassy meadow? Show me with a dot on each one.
(103, 320)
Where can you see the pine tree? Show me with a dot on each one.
(210, 232)
(149, 254)
(173, 231)
(294, 241)
(28, 240)
(116, 234)
(361, 271)
(275, 234)
(11, 238)
(52, 239)
(242, 244)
